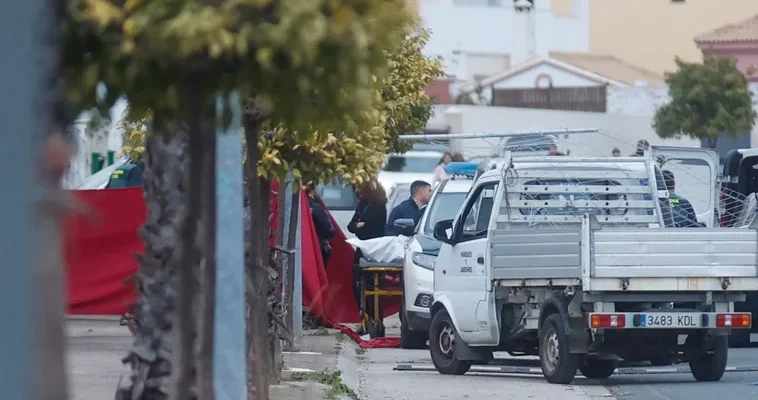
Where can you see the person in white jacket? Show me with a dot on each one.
(439, 172)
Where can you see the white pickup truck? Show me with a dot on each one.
(569, 259)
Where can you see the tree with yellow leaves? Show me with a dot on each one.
(306, 64)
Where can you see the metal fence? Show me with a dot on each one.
(570, 98)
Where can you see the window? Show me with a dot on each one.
(476, 219)
(337, 195)
(445, 206)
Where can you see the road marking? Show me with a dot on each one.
(305, 353)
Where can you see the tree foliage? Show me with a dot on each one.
(307, 62)
(354, 147)
(353, 150)
(708, 100)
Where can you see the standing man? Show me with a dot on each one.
(413, 208)
(681, 208)
(642, 145)
(553, 151)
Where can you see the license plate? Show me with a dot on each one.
(670, 320)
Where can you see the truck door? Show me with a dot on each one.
(465, 281)
(696, 175)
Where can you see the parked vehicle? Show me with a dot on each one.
(408, 167)
(738, 204)
(340, 200)
(569, 259)
(421, 252)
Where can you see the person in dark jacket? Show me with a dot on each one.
(642, 146)
(367, 223)
(681, 208)
(322, 222)
(371, 212)
(412, 208)
(127, 175)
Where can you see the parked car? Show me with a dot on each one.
(420, 255)
(340, 200)
(409, 167)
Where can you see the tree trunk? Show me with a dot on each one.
(256, 261)
(189, 298)
(165, 180)
(208, 268)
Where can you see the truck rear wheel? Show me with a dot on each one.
(597, 369)
(710, 366)
(557, 362)
(442, 338)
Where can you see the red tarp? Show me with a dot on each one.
(100, 261)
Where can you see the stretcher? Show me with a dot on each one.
(377, 280)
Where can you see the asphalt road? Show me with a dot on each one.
(682, 386)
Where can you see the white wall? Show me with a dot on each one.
(101, 141)
(458, 30)
(644, 101)
(560, 78)
(620, 131)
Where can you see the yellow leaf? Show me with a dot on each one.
(103, 12)
(130, 5)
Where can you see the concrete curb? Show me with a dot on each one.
(349, 364)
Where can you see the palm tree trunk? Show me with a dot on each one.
(208, 269)
(165, 180)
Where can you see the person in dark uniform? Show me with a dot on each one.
(681, 208)
(322, 222)
(367, 223)
(412, 208)
(642, 145)
(127, 175)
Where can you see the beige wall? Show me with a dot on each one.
(650, 33)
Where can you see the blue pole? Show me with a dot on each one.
(17, 285)
(229, 349)
(297, 290)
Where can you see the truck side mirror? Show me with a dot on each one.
(441, 229)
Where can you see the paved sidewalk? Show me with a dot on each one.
(312, 371)
(97, 344)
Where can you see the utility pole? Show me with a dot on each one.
(18, 307)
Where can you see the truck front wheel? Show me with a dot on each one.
(557, 362)
(442, 338)
(710, 366)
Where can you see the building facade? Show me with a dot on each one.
(650, 33)
(479, 38)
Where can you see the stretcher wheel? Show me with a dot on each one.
(375, 329)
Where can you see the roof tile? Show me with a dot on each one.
(742, 31)
(609, 67)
